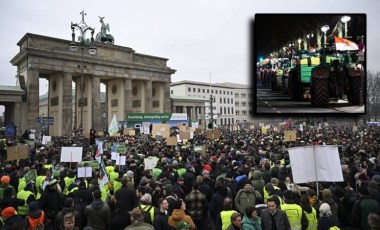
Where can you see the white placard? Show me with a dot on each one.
(146, 130)
(32, 136)
(120, 159)
(301, 127)
(178, 138)
(150, 162)
(191, 134)
(84, 172)
(315, 163)
(71, 154)
(45, 139)
(113, 155)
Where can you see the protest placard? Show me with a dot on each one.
(45, 139)
(290, 135)
(171, 140)
(31, 176)
(17, 152)
(84, 172)
(120, 159)
(150, 163)
(71, 154)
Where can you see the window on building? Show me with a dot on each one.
(224, 92)
(220, 101)
(225, 121)
(171, 91)
(228, 92)
(236, 103)
(232, 101)
(232, 111)
(243, 95)
(203, 90)
(244, 112)
(194, 90)
(237, 112)
(229, 110)
(236, 95)
(244, 103)
(225, 110)
(249, 103)
(232, 120)
(228, 101)
(208, 91)
(199, 90)
(221, 110)
(212, 91)
(229, 121)
(224, 100)
(220, 91)
(214, 99)
(189, 89)
(221, 121)
(216, 91)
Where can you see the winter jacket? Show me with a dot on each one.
(51, 202)
(126, 197)
(98, 215)
(177, 216)
(121, 219)
(244, 199)
(258, 182)
(251, 224)
(362, 208)
(161, 220)
(279, 217)
(58, 222)
(216, 203)
(139, 226)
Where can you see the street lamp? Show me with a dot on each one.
(299, 43)
(83, 43)
(324, 29)
(345, 19)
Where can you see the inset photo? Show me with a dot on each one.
(309, 63)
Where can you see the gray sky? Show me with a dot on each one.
(197, 36)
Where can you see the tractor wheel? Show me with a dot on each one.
(320, 92)
(356, 91)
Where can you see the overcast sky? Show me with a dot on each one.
(197, 36)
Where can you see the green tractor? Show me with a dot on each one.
(299, 76)
(339, 76)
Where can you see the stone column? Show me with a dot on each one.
(33, 87)
(196, 113)
(166, 96)
(148, 96)
(203, 121)
(17, 118)
(173, 109)
(96, 116)
(67, 104)
(193, 113)
(127, 96)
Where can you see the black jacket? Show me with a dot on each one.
(84, 194)
(121, 219)
(216, 203)
(51, 202)
(161, 220)
(126, 197)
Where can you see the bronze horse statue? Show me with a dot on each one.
(102, 36)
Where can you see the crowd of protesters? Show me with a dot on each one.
(242, 180)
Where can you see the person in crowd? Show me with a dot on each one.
(326, 219)
(51, 200)
(5, 183)
(147, 206)
(247, 196)
(98, 213)
(11, 220)
(217, 199)
(373, 221)
(310, 212)
(196, 204)
(296, 216)
(273, 217)
(69, 222)
(27, 195)
(121, 219)
(171, 197)
(36, 218)
(179, 215)
(251, 221)
(179, 188)
(363, 207)
(223, 219)
(161, 216)
(126, 196)
(235, 221)
(68, 207)
(9, 200)
(137, 220)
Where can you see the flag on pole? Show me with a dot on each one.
(99, 151)
(103, 177)
(345, 44)
(112, 129)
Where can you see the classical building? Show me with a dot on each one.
(232, 103)
(134, 83)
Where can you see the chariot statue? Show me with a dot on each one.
(102, 36)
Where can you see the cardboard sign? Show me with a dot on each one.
(264, 130)
(87, 135)
(150, 162)
(171, 141)
(71, 154)
(209, 135)
(115, 135)
(17, 152)
(290, 135)
(184, 135)
(217, 133)
(199, 131)
(132, 132)
(183, 127)
(84, 172)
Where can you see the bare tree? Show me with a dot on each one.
(373, 95)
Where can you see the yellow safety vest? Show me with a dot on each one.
(23, 195)
(145, 208)
(47, 167)
(266, 194)
(116, 185)
(104, 193)
(110, 169)
(68, 182)
(39, 181)
(312, 218)
(21, 184)
(181, 171)
(226, 218)
(113, 176)
(294, 213)
(72, 190)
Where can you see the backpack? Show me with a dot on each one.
(146, 212)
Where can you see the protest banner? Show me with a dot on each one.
(17, 152)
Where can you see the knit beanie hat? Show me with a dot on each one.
(8, 212)
(5, 179)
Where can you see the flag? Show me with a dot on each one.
(112, 129)
(345, 44)
(103, 178)
(99, 151)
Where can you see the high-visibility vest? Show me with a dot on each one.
(294, 213)
(24, 195)
(266, 194)
(68, 182)
(21, 184)
(110, 169)
(145, 207)
(312, 219)
(33, 223)
(279, 198)
(47, 167)
(116, 185)
(113, 176)
(181, 171)
(226, 218)
(72, 190)
(39, 181)
(104, 193)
